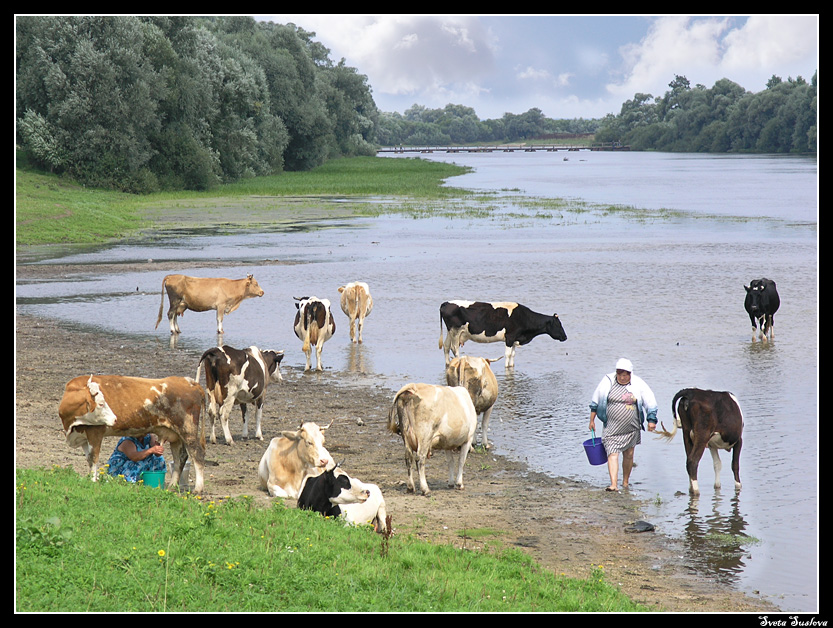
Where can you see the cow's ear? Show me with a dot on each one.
(290, 435)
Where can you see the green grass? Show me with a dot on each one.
(117, 547)
(53, 209)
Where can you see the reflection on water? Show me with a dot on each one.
(717, 541)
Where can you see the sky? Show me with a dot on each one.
(566, 66)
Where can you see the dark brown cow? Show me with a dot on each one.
(314, 325)
(237, 376)
(201, 294)
(710, 419)
(95, 406)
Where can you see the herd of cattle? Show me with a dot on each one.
(428, 417)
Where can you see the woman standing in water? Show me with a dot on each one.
(622, 401)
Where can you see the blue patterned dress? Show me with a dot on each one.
(120, 464)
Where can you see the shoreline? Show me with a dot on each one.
(568, 527)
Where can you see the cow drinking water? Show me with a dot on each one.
(761, 303)
(201, 294)
(511, 323)
(710, 419)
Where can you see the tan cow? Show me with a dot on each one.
(357, 304)
(95, 406)
(432, 417)
(292, 456)
(476, 376)
(201, 294)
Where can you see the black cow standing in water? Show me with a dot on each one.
(508, 322)
(762, 301)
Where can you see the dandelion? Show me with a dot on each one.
(161, 553)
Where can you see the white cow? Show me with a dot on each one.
(357, 304)
(476, 376)
(432, 417)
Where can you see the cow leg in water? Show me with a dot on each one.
(718, 466)
(177, 309)
(220, 313)
(360, 327)
(319, 346)
(736, 464)
(509, 353)
(698, 447)
(451, 345)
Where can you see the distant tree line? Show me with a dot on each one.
(726, 118)
(456, 124)
(146, 103)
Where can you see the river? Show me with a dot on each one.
(664, 289)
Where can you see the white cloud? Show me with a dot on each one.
(704, 50)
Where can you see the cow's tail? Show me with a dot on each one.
(162, 303)
(680, 398)
(441, 330)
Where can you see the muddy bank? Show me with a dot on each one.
(568, 527)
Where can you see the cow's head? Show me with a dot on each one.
(253, 288)
(757, 297)
(555, 330)
(273, 364)
(310, 444)
(342, 489)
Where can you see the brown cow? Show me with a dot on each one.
(291, 457)
(96, 406)
(708, 419)
(476, 376)
(201, 294)
(433, 417)
(356, 303)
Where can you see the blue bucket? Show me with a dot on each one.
(595, 451)
(156, 479)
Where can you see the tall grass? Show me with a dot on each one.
(113, 546)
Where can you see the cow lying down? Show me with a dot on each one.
(336, 494)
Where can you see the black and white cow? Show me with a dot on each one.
(314, 325)
(511, 323)
(761, 303)
(325, 493)
(237, 376)
(708, 418)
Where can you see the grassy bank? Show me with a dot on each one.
(52, 209)
(124, 547)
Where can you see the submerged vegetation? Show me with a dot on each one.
(54, 209)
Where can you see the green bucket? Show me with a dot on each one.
(156, 479)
